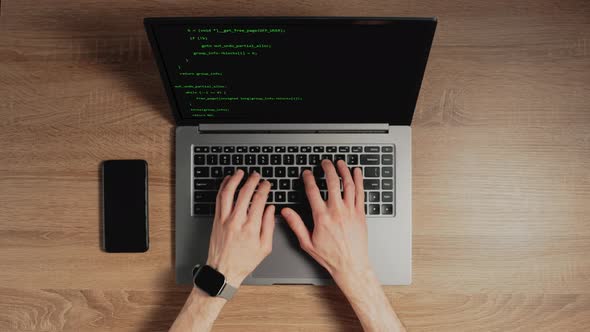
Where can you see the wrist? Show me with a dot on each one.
(357, 280)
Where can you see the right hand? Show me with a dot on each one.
(339, 239)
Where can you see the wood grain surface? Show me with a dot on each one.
(501, 176)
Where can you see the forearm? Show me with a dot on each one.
(365, 294)
(199, 312)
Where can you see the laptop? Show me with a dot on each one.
(279, 94)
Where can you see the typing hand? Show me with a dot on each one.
(339, 238)
(241, 236)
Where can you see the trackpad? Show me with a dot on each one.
(287, 260)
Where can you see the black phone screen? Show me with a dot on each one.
(125, 208)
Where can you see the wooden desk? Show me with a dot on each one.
(501, 170)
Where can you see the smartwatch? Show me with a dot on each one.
(212, 282)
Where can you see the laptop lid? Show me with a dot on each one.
(291, 70)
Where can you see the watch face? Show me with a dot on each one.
(209, 280)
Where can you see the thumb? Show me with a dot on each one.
(294, 221)
(268, 226)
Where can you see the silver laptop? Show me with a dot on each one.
(278, 95)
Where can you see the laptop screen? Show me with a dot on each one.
(272, 70)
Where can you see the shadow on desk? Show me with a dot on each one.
(167, 305)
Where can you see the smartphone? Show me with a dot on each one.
(125, 205)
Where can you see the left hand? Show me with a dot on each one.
(242, 236)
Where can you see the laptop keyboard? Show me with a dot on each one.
(282, 165)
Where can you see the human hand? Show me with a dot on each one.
(242, 236)
(339, 238)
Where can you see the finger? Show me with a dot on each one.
(268, 227)
(258, 202)
(347, 183)
(313, 192)
(218, 197)
(245, 195)
(228, 192)
(294, 221)
(333, 182)
(360, 192)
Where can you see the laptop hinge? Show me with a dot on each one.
(290, 128)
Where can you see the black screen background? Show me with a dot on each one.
(344, 72)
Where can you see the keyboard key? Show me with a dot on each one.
(242, 149)
(343, 149)
(263, 159)
(293, 172)
(201, 149)
(293, 149)
(306, 149)
(275, 159)
(302, 169)
(237, 159)
(352, 159)
(254, 169)
(357, 149)
(250, 159)
(387, 196)
(371, 184)
(212, 159)
(322, 184)
(199, 159)
(216, 172)
(293, 196)
(245, 169)
(387, 172)
(387, 184)
(288, 159)
(228, 171)
(314, 159)
(280, 149)
(202, 209)
(387, 159)
(319, 149)
(201, 172)
(280, 172)
(331, 149)
(369, 159)
(273, 184)
(318, 171)
(267, 172)
(339, 157)
(387, 149)
(373, 209)
(387, 209)
(267, 149)
(371, 149)
(280, 196)
(373, 196)
(301, 159)
(216, 149)
(297, 184)
(204, 184)
(205, 196)
(326, 156)
(270, 198)
(229, 149)
(254, 149)
(284, 184)
(224, 159)
(372, 172)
